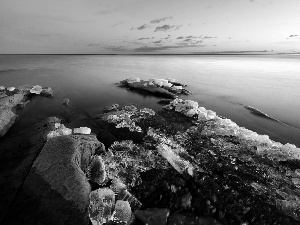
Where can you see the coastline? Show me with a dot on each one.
(178, 152)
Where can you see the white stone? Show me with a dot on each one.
(37, 89)
(171, 79)
(82, 130)
(11, 88)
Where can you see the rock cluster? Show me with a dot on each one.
(160, 87)
(12, 98)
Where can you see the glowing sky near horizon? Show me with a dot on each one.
(143, 26)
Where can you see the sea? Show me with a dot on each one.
(222, 83)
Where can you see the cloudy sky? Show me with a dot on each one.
(149, 26)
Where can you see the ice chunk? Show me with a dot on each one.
(36, 89)
(133, 80)
(11, 88)
(82, 130)
(122, 213)
(101, 205)
(179, 164)
(171, 79)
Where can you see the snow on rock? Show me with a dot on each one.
(37, 89)
(2, 88)
(11, 88)
(60, 130)
(175, 160)
(133, 80)
(82, 130)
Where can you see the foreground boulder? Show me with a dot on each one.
(17, 98)
(56, 191)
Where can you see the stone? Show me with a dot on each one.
(47, 92)
(122, 213)
(101, 206)
(96, 171)
(36, 89)
(7, 119)
(11, 88)
(153, 216)
(82, 130)
(111, 108)
(66, 102)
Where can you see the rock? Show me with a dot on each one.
(96, 171)
(122, 213)
(60, 130)
(101, 206)
(11, 88)
(111, 108)
(66, 102)
(82, 130)
(47, 92)
(7, 119)
(153, 216)
(56, 190)
(188, 219)
(36, 89)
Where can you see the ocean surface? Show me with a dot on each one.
(222, 83)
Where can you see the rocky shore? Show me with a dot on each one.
(128, 165)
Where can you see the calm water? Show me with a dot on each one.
(224, 84)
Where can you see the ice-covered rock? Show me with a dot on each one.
(122, 213)
(60, 130)
(37, 89)
(179, 164)
(96, 170)
(171, 79)
(82, 130)
(133, 80)
(102, 203)
(11, 88)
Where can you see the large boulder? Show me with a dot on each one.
(56, 191)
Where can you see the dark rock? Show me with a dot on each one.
(153, 216)
(47, 92)
(189, 219)
(111, 108)
(66, 102)
(56, 191)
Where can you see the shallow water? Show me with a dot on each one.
(224, 84)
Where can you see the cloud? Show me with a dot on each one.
(208, 37)
(157, 42)
(294, 35)
(181, 37)
(116, 48)
(161, 48)
(142, 27)
(161, 19)
(143, 39)
(93, 44)
(164, 28)
(167, 27)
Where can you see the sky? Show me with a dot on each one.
(149, 26)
